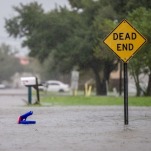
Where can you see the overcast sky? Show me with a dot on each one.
(6, 11)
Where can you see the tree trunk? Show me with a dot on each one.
(148, 93)
(138, 90)
(100, 84)
(137, 84)
(135, 74)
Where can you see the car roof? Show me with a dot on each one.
(51, 81)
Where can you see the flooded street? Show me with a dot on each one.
(79, 128)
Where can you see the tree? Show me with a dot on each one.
(140, 18)
(73, 38)
(8, 63)
(81, 47)
(123, 8)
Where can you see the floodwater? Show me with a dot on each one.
(73, 128)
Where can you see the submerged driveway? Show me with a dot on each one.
(78, 128)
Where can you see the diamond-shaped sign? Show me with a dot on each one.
(124, 40)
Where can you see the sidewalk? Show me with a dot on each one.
(21, 91)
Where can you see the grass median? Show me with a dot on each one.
(94, 100)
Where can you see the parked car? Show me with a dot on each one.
(2, 86)
(56, 86)
(42, 87)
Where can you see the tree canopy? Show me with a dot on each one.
(68, 38)
(9, 64)
(144, 66)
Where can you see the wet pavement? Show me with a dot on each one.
(73, 128)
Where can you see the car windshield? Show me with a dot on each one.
(53, 83)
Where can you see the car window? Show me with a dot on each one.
(53, 84)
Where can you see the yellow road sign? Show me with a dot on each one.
(124, 40)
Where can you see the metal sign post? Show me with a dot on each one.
(125, 94)
(125, 41)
